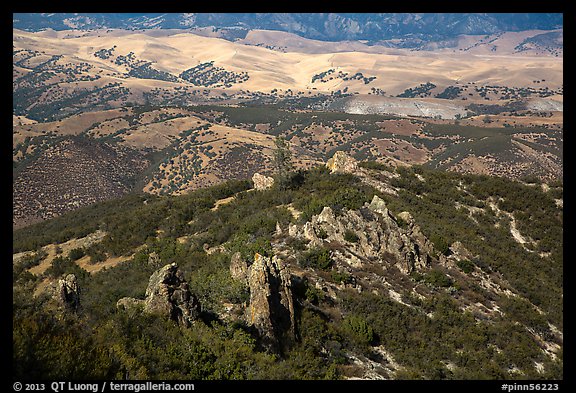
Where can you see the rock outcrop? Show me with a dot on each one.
(271, 309)
(458, 252)
(262, 182)
(154, 260)
(376, 233)
(167, 295)
(68, 293)
(130, 305)
(239, 268)
(342, 163)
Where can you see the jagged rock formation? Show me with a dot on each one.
(262, 182)
(154, 260)
(271, 309)
(239, 268)
(167, 295)
(459, 252)
(68, 293)
(379, 236)
(342, 163)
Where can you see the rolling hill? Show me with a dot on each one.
(288, 196)
(199, 110)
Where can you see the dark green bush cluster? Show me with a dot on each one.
(522, 311)
(61, 266)
(424, 345)
(317, 258)
(76, 253)
(314, 295)
(375, 165)
(351, 236)
(26, 263)
(249, 245)
(440, 244)
(334, 197)
(341, 277)
(465, 265)
(213, 284)
(437, 279)
(96, 253)
(357, 330)
(488, 235)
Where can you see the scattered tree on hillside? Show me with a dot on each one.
(282, 161)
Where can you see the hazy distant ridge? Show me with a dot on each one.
(325, 26)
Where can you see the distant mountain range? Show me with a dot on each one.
(372, 27)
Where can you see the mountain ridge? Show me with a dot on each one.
(328, 27)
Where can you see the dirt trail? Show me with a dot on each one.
(221, 202)
(92, 268)
(51, 250)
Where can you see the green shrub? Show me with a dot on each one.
(524, 312)
(314, 295)
(248, 246)
(214, 285)
(62, 266)
(30, 261)
(96, 253)
(401, 223)
(318, 258)
(76, 254)
(375, 165)
(357, 330)
(350, 236)
(437, 279)
(321, 233)
(440, 244)
(466, 266)
(341, 277)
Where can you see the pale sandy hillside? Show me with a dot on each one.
(545, 43)
(289, 42)
(503, 43)
(175, 52)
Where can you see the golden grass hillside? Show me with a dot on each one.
(395, 70)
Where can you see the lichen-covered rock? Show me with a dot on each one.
(379, 206)
(168, 295)
(459, 252)
(68, 293)
(292, 230)
(239, 268)
(262, 182)
(271, 309)
(309, 233)
(130, 305)
(154, 260)
(377, 236)
(342, 162)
